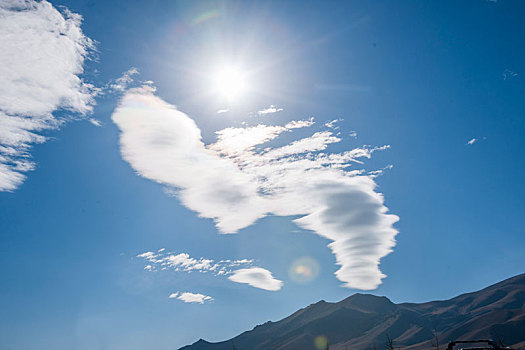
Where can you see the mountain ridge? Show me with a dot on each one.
(362, 321)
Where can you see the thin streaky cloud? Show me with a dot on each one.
(95, 122)
(297, 124)
(183, 262)
(332, 124)
(270, 110)
(124, 81)
(379, 172)
(508, 74)
(317, 142)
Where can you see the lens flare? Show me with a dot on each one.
(321, 342)
(304, 270)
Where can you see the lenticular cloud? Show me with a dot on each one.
(256, 277)
(235, 184)
(41, 57)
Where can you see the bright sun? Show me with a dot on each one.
(229, 82)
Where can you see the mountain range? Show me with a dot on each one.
(365, 321)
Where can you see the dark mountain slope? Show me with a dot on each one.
(362, 321)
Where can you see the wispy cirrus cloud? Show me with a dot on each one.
(270, 110)
(256, 277)
(41, 63)
(162, 260)
(235, 183)
(188, 297)
(123, 82)
(508, 74)
(296, 124)
(332, 124)
(95, 122)
(379, 172)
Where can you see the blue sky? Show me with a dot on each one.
(431, 92)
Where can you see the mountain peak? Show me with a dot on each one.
(368, 303)
(362, 321)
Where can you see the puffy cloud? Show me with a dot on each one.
(188, 297)
(256, 277)
(234, 183)
(42, 57)
(269, 110)
(164, 145)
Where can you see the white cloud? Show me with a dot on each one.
(317, 142)
(188, 297)
(269, 110)
(165, 145)
(220, 111)
(123, 82)
(95, 122)
(256, 277)
(236, 184)
(296, 124)
(184, 262)
(332, 124)
(379, 172)
(472, 141)
(234, 141)
(508, 74)
(41, 60)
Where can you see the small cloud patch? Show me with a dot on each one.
(95, 122)
(193, 298)
(508, 74)
(256, 277)
(183, 262)
(270, 110)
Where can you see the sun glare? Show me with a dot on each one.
(229, 82)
